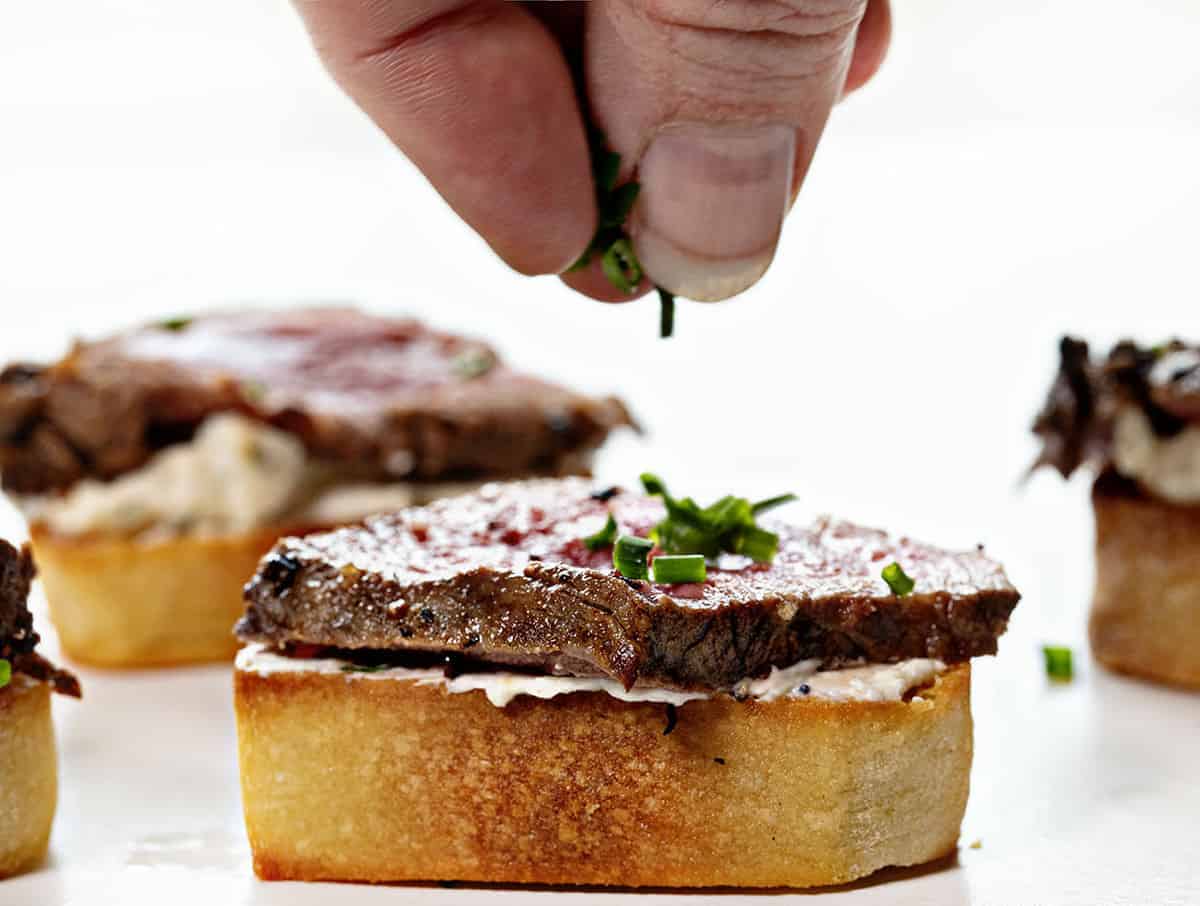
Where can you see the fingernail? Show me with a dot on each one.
(711, 207)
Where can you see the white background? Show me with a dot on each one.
(1018, 170)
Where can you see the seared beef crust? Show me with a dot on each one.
(501, 576)
(17, 638)
(385, 398)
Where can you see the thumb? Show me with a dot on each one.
(720, 106)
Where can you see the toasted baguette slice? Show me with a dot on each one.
(356, 777)
(118, 602)
(1146, 608)
(28, 774)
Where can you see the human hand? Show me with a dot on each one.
(716, 107)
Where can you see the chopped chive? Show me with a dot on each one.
(364, 668)
(175, 324)
(606, 167)
(619, 204)
(5, 673)
(726, 525)
(898, 580)
(611, 241)
(666, 318)
(770, 503)
(758, 544)
(253, 391)
(630, 555)
(1060, 665)
(603, 538)
(472, 363)
(621, 266)
(652, 484)
(672, 569)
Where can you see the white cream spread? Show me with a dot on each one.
(1166, 466)
(236, 475)
(869, 683)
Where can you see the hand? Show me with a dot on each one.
(717, 107)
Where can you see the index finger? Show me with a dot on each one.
(477, 94)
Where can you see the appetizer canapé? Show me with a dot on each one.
(1134, 417)
(156, 467)
(28, 763)
(540, 683)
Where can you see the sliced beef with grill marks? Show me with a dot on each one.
(501, 576)
(384, 398)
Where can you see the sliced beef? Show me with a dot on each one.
(17, 638)
(385, 398)
(1076, 421)
(502, 576)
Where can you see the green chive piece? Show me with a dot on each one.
(758, 544)
(726, 525)
(5, 673)
(898, 580)
(666, 317)
(175, 324)
(607, 165)
(770, 503)
(364, 668)
(611, 241)
(253, 391)
(630, 555)
(1060, 665)
(671, 569)
(619, 205)
(652, 484)
(603, 538)
(472, 363)
(621, 266)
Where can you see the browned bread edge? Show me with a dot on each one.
(28, 774)
(121, 602)
(1145, 616)
(356, 777)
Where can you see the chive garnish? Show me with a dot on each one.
(727, 525)
(472, 363)
(672, 569)
(757, 544)
(666, 318)
(770, 503)
(898, 580)
(611, 242)
(175, 324)
(5, 673)
(1060, 665)
(621, 266)
(364, 668)
(253, 391)
(630, 555)
(603, 538)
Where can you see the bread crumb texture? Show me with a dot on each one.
(1146, 608)
(28, 775)
(346, 779)
(122, 602)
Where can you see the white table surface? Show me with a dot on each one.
(1018, 170)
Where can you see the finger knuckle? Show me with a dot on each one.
(794, 18)
(774, 39)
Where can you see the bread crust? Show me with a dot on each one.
(28, 774)
(121, 602)
(354, 777)
(1145, 616)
